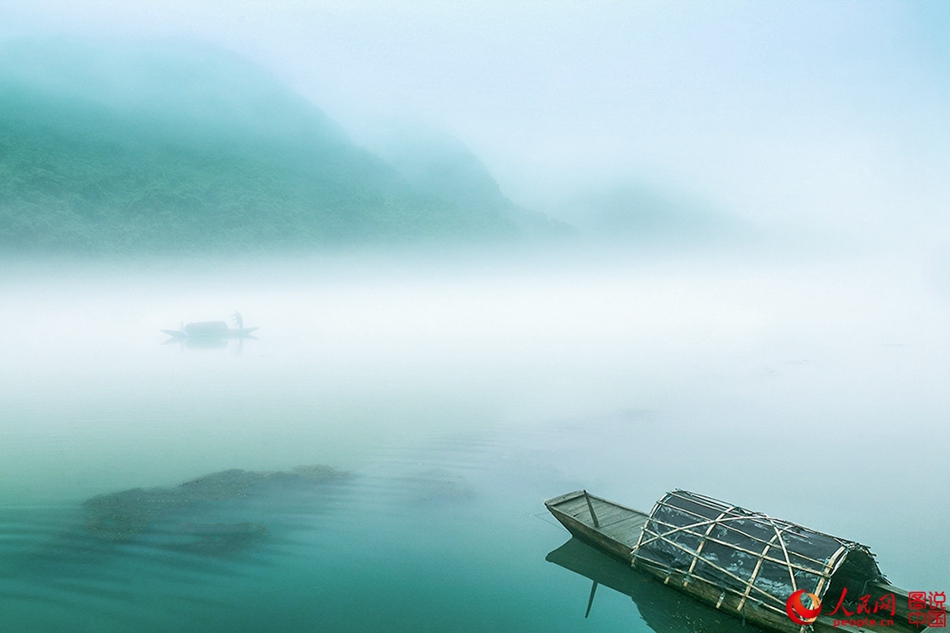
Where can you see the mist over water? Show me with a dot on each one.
(495, 252)
(455, 395)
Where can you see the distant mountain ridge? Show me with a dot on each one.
(438, 164)
(176, 146)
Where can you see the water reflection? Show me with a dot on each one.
(664, 610)
(211, 343)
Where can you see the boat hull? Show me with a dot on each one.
(615, 530)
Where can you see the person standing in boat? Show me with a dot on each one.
(238, 320)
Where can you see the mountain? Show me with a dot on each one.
(438, 164)
(638, 214)
(181, 147)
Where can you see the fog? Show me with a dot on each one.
(829, 117)
(736, 280)
(355, 352)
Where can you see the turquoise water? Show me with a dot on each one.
(451, 400)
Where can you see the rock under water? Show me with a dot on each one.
(214, 514)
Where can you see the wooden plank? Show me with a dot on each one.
(622, 517)
(607, 514)
(573, 506)
(626, 532)
(629, 523)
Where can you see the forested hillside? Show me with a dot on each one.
(177, 147)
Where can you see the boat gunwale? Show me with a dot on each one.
(555, 501)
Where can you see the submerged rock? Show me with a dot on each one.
(217, 539)
(189, 516)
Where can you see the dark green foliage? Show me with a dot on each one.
(84, 172)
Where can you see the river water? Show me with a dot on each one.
(443, 400)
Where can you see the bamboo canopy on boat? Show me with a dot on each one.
(759, 560)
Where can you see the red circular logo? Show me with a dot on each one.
(803, 607)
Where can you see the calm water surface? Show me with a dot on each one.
(450, 400)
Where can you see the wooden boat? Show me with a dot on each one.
(749, 564)
(212, 330)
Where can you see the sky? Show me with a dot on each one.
(827, 115)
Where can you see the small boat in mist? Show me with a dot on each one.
(212, 330)
(772, 573)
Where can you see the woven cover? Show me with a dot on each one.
(748, 554)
